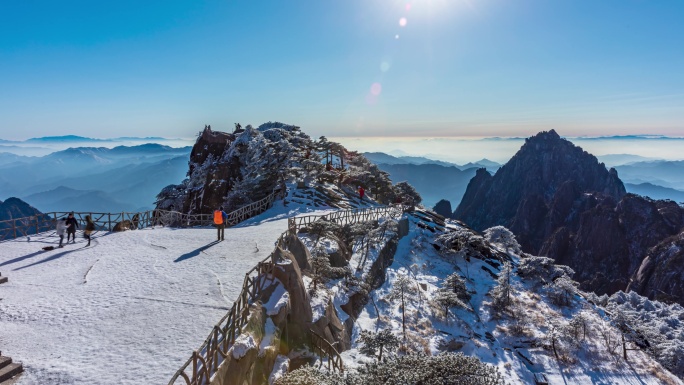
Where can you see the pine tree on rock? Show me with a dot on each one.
(320, 267)
(502, 293)
(503, 237)
(446, 299)
(456, 283)
(404, 290)
(378, 342)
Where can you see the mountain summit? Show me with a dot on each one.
(562, 203)
(529, 186)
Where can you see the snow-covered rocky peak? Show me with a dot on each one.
(235, 169)
(562, 203)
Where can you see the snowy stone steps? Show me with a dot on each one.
(8, 369)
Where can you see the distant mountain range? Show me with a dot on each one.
(383, 158)
(612, 160)
(655, 192)
(123, 178)
(81, 139)
(654, 178)
(433, 179)
(665, 173)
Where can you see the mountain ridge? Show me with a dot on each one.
(563, 204)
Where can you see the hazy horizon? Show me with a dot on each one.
(459, 150)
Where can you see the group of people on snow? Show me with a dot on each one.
(68, 225)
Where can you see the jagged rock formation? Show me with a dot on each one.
(222, 168)
(14, 208)
(661, 273)
(235, 169)
(443, 208)
(562, 203)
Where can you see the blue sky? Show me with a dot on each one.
(342, 68)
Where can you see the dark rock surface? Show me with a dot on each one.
(661, 273)
(561, 203)
(299, 320)
(16, 208)
(443, 208)
(207, 162)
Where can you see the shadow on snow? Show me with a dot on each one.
(195, 252)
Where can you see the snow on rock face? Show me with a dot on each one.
(232, 170)
(269, 336)
(661, 274)
(277, 301)
(280, 368)
(319, 302)
(243, 344)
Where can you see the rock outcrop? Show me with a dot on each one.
(560, 202)
(16, 208)
(235, 169)
(443, 208)
(661, 273)
(300, 316)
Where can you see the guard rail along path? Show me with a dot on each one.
(205, 361)
(25, 226)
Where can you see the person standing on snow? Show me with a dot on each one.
(90, 227)
(362, 192)
(71, 230)
(220, 217)
(61, 228)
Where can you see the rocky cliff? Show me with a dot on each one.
(235, 169)
(16, 208)
(443, 208)
(562, 203)
(661, 273)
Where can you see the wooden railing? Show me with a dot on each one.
(178, 219)
(323, 348)
(344, 217)
(204, 362)
(22, 227)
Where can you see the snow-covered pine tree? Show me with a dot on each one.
(501, 236)
(542, 269)
(378, 342)
(320, 267)
(446, 299)
(457, 284)
(408, 193)
(404, 290)
(501, 293)
(442, 369)
(562, 290)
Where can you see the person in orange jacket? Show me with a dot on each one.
(220, 218)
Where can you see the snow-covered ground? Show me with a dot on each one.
(130, 308)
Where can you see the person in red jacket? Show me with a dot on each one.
(362, 192)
